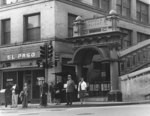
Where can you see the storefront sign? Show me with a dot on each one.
(21, 56)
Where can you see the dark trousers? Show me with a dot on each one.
(44, 99)
(69, 97)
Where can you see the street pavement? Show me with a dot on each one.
(118, 110)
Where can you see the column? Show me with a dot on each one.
(114, 94)
(114, 70)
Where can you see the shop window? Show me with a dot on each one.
(126, 42)
(71, 19)
(5, 32)
(142, 37)
(9, 78)
(142, 12)
(124, 7)
(32, 28)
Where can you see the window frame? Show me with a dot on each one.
(5, 33)
(140, 14)
(122, 6)
(70, 27)
(27, 29)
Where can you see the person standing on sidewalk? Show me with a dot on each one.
(70, 90)
(8, 94)
(58, 92)
(25, 96)
(44, 94)
(52, 92)
(15, 93)
(82, 89)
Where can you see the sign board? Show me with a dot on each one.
(97, 25)
(21, 56)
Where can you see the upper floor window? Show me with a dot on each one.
(103, 4)
(142, 12)
(142, 37)
(71, 19)
(5, 32)
(124, 7)
(126, 42)
(32, 27)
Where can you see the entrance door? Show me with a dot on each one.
(28, 80)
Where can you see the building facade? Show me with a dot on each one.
(28, 24)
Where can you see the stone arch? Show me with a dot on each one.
(84, 55)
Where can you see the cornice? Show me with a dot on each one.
(21, 4)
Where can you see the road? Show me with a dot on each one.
(127, 110)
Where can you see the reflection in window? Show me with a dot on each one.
(32, 27)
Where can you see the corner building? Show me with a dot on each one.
(28, 24)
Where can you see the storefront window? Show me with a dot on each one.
(9, 78)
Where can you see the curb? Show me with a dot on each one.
(77, 105)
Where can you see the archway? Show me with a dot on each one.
(92, 63)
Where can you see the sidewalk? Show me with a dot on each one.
(77, 104)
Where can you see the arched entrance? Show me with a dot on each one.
(93, 64)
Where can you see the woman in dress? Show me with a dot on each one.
(82, 89)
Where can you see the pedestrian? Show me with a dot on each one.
(82, 89)
(70, 90)
(58, 91)
(44, 94)
(52, 92)
(15, 92)
(25, 96)
(8, 94)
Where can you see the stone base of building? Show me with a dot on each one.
(115, 95)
